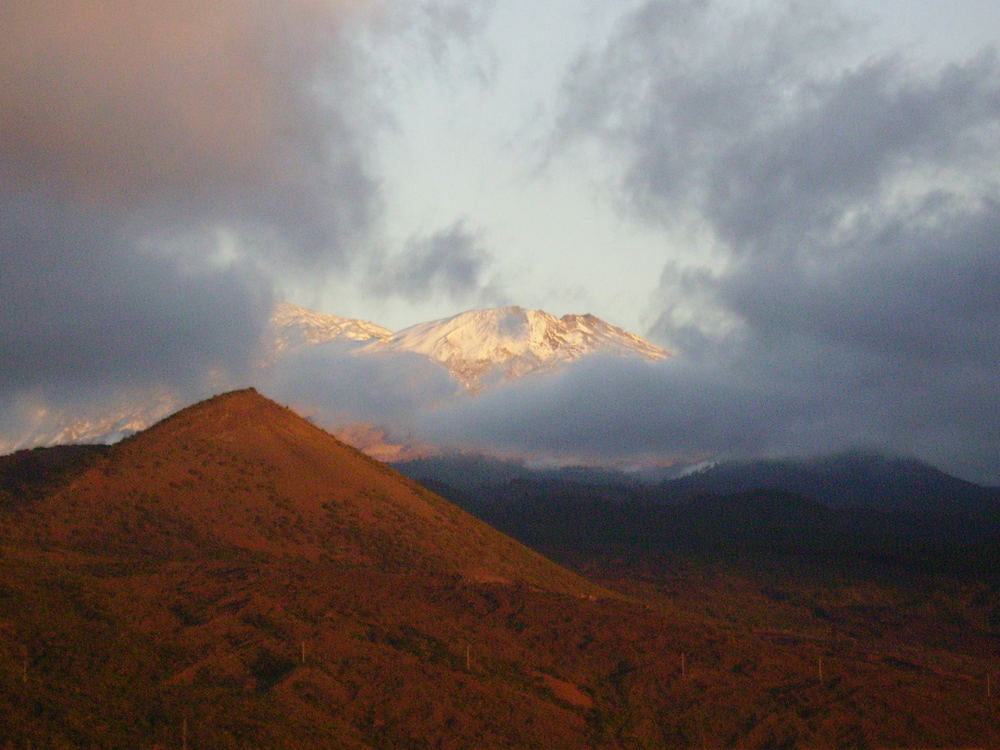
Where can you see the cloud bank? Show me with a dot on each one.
(853, 214)
(332, 384)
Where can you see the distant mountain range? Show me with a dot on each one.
(477, 348)
(845, 510)
(852, 480)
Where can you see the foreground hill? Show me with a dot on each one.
(241, 475)
(235, 577)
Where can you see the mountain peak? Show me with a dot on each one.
(512, 341)
(234, 411)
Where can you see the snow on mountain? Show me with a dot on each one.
(477, 346)
(293, 326)
(505, 343)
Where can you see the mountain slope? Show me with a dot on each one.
(242, 474)
(32, 473)
(480, 345)
(237, 572)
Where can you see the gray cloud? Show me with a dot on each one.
(918, 287)
(747, 120)
(445, 35)
(848, 141)
(450, 262)
(338, 387)
(856, 213)
(191, 114)
(159, 162)
(680, 83)
(81, 304)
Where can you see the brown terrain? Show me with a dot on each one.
(235, 577)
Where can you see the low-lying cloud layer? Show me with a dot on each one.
(338, 388)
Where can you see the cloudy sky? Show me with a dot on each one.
(801, 198)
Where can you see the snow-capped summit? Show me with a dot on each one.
(508, 342)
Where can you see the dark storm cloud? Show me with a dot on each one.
(82, 304)
(161, 165)
(679, 83)
(849, 139)
(921, 288)
(855, 219)
(741, 120)
(450, 263)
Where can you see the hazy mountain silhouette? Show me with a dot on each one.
(848, 509)
(854, 478)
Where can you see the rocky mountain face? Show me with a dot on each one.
(477, 347)
(482, 346)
